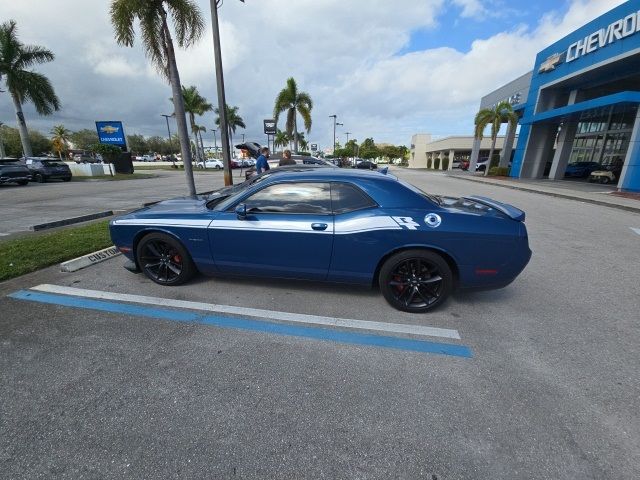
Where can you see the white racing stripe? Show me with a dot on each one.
(254, 312)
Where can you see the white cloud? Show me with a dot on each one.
(470, 8)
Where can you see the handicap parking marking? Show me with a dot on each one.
(386, 327)
(317, 333)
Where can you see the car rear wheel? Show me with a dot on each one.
(415, 280)
(39, 178)
(164, 259)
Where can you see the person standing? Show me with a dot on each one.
(286, 159)
(261, 163)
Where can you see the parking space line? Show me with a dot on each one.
(637, 230)
(317, 333)
(420, 330)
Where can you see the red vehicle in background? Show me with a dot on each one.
(464, 165)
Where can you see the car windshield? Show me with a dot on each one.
(216, 196)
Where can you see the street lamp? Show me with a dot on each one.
(215, 140)
(166, 117)
(335, 117)
(222, 103)
(347, 134)
(1, 142)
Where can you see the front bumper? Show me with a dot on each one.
(25, 178)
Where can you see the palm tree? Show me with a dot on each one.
(302, 141)
(200, 129)
(152, 16)
(496, 116)
(61, 137)
(195, 104)
(281, 139)
(233, 121)
(16, 60)
(292, 101)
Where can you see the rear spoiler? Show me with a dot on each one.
(508, 210)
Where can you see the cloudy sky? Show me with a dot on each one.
(388, 69)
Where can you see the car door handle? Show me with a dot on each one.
(319, 226)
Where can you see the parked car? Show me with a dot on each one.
(43, 169)
(481, 166)
(215, 164)
(581, 169)
(456, 164)
(608, 173)
(417, 247)
(12, 171)
(84, 158)
(464, 165)
(367, 165)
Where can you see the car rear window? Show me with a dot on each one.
(349, 198)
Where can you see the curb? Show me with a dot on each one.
(89, 259)
(71, 221)
(553, 194)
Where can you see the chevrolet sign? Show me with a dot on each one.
(551, 63)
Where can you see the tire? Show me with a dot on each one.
(218, 167)
(66, 179)
(604, 180)
(23, 182)
(39, 178)
(415, 281)
(164, 260)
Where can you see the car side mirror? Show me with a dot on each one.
(241, 211)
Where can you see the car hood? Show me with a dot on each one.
(478, 205)
(174, 205)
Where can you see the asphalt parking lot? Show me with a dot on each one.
(239, 378)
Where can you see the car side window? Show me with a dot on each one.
(349, 198)
(313, 198)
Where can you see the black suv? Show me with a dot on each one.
(12, 171)
(43, 169)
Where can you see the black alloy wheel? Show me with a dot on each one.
(416, 280)
(39, 178)
(164, 259)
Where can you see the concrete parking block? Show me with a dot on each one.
(90, 259)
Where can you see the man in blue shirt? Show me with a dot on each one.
(261, 163)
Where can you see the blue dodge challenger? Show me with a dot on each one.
(335, 225)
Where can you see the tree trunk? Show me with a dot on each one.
(295, 132)
(178, 103)
(22, 127)
(493, 147)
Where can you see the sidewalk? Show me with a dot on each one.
(570, 189)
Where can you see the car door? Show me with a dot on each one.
(287, 232)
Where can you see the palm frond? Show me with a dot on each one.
(123, 15)
(187, 21)
(291, 118)
(305, 113)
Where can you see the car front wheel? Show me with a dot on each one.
(164, 259)
(415, 281)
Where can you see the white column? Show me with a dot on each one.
(539, 150)
(563, 150)
(475, 153)
(452, 155)
(505, 154)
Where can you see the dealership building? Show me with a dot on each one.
(579, 104)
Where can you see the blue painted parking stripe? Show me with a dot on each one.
(246, 324)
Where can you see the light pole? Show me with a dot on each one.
(1, 142)
(215, 140)
(335, 117)
(347, 134)
(166, 117)
(222, 103)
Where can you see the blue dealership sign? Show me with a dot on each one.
(111, 133)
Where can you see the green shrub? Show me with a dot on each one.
(499, 171)
(429, 163)
(445, 164)
(109, 152)
(436, 163)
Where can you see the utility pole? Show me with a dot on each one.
(222, 103)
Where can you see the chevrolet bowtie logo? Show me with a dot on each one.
(551, 63)
(109, 129)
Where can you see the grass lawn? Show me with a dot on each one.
(116, 177)
(27, 254)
